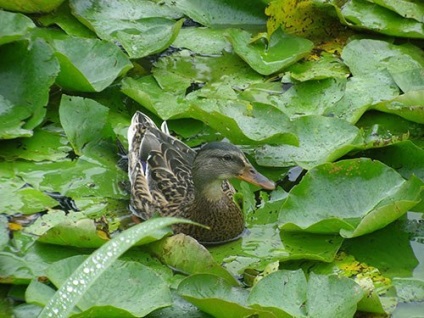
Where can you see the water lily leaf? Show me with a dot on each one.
(409, 105)
(177, 72)
(142, 28)
(369, 196)
(321, 139)
(219, 14)
(244, 123)
(327, 66)
(381, 56)
(184, 253)
(86, 275)
(361, 92)
(73, 229)
(202, 40)
(45, 144)
(4, 232)
(27, 74)
(409, 289)
(289, 294)
(30, 6)
(217, 297)
(366, 15)
(146, 286)
(407, 9)
(76, 116)
(89, 65)
(80, 178)
(269, 57)
(146, 91)
(63, 18)
(13, 26)
(31, 263)
(310, 98)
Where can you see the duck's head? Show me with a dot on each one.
(219, 161)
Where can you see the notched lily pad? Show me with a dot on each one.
(268, 57)
(350, 197)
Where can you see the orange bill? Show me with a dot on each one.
(252, 176)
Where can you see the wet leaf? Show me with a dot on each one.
(366, 15)
(69, 294)
(26, 76)
(185, 254)
(30, 6)
(202, 40)
(142, 28)
(222, 14)
(89, 65)
(13, 26)
(321, 140)
(145, 285)
(268, 57)
(288, 294)
(407, 9)
(369, 196)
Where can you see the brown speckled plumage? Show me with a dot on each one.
(168, 177)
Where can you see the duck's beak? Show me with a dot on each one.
(252, 176)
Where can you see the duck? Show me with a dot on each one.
(168, 178)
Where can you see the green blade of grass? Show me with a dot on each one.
(74, 288)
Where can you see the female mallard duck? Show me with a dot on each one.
(170, 178)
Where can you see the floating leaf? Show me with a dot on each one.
(13, 26)
(369, 196)
(142, 28)
(30, 6)
(405, 8)
(69, 294)
(321, 139)
(26, 76)
(269, 57)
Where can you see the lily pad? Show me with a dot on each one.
(269, 57)
(89, 65)
(290, 294)
(185, 254)
(33, 6)
(222, 14)
(350, 197)
(321, 139)
(366, 15)
(142, 28)
(409, 105)
(147, 287)
(28, 71)
(13, 26)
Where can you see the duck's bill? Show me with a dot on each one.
(252, 176)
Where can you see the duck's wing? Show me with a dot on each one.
(159, 168)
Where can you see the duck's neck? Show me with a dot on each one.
(209, 191)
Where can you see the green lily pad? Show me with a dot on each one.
(269, 57)
(184, 253)
(365, 15)
(45, 144)
(290, 294)
(321, 139)
(25, 80)
(222, 14)
(33, 6)
(177, 72)
(13, 26)
(142, 28)
(409, 105)
(350, 197)
(76, 116)
(89, 65)
(202, 40)
(360, 94)
(405, 8)
(217, 297)
(327, 66)
(148, 287)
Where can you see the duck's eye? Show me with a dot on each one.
(227, 157)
